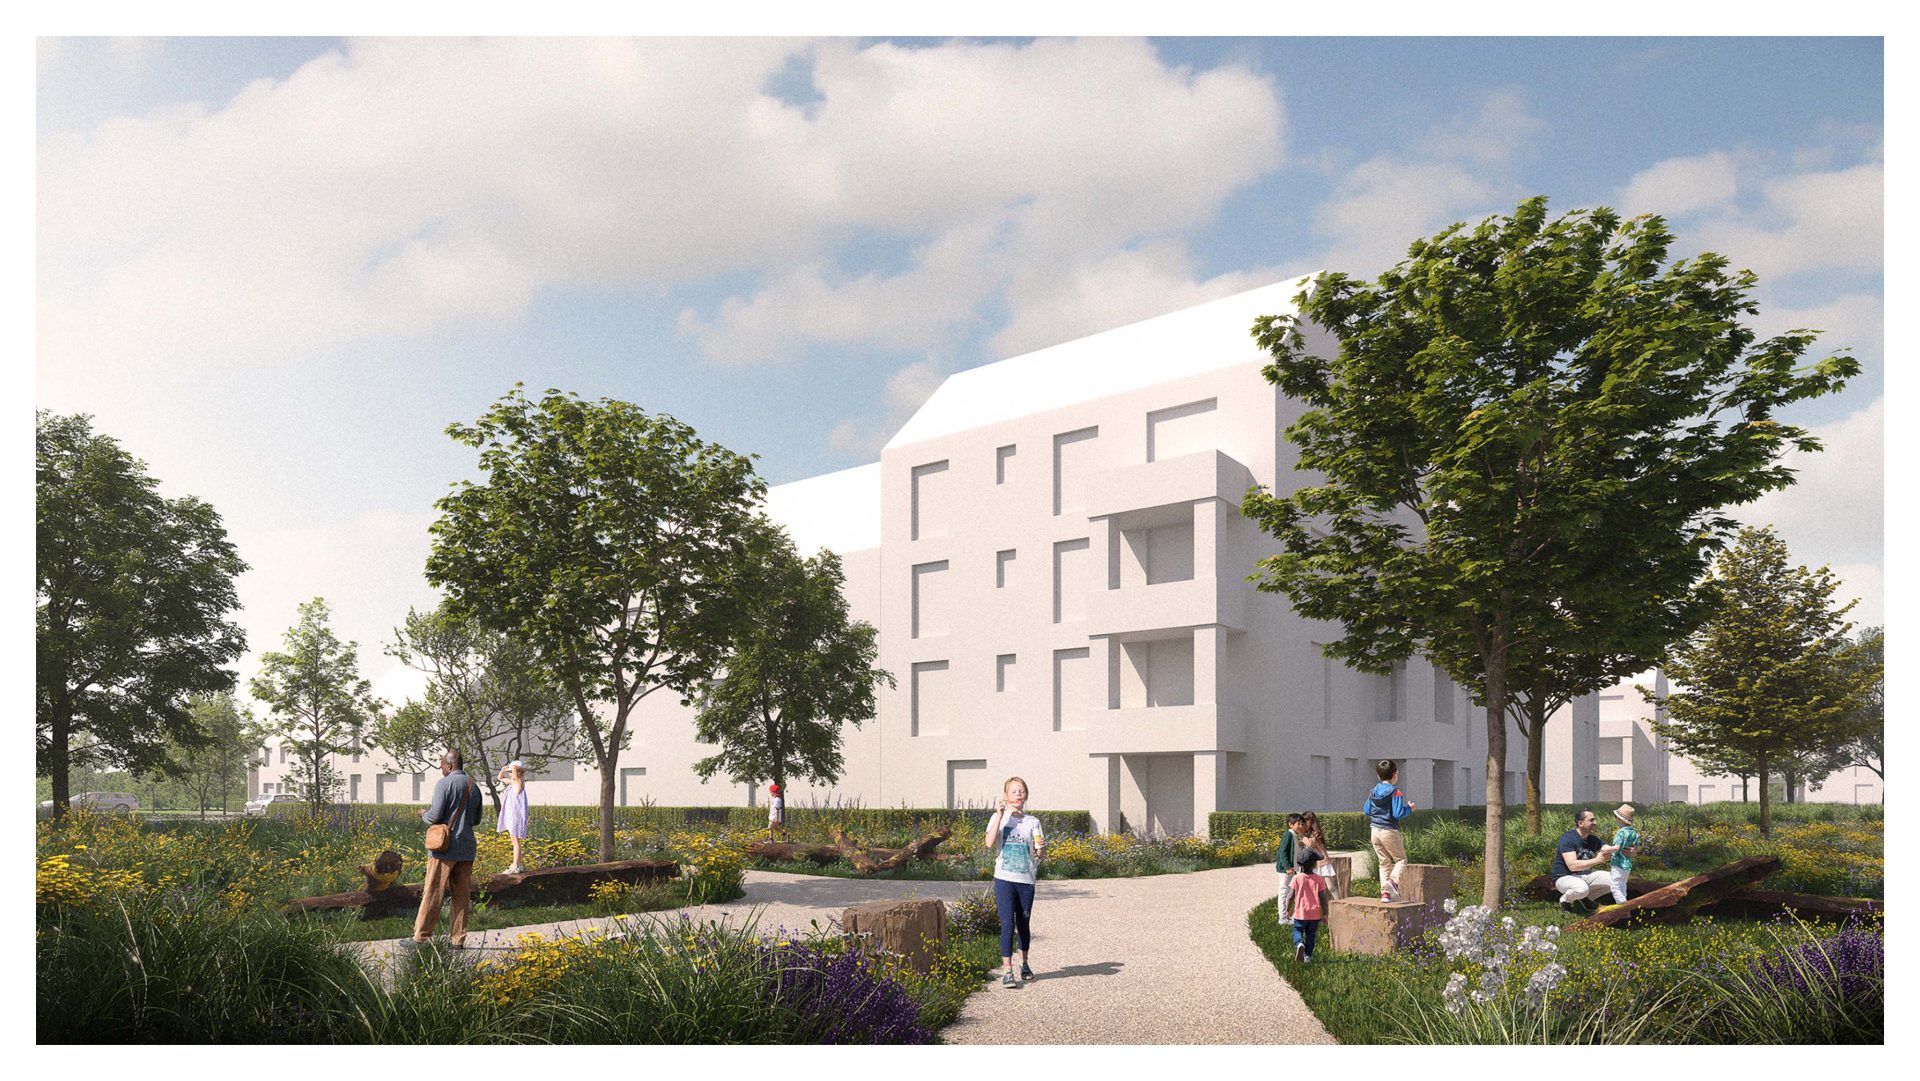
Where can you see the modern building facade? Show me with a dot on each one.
(1052, 551)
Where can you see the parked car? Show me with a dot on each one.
(258, 805)
(95, 801)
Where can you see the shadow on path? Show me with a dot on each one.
(1097, 968)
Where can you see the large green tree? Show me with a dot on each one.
(795, 673)
(320, 705)
(131, 594)
(1770, 675)
(1504, 413)
(485, 694)
(603, 537)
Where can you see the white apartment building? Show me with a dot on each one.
(1052, 551)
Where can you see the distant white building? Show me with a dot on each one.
(1052, 551)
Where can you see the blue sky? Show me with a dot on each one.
(277, 268)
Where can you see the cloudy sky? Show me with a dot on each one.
(277, 269)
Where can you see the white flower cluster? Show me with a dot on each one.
(1471, 936)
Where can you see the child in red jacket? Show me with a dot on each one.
(1309, 901)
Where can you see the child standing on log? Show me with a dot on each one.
(1624, 841)
(1309, 906)
(1016, 841)
(513, 809)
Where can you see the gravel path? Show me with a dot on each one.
(1157, 960)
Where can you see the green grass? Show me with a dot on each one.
(492, 917)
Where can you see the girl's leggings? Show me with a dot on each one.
(1304, 932)
(1015, 902)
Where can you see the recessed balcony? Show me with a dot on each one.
(1196, 602)
(1166, 729)
(1186, 479)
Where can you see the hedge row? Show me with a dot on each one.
(859, 821)
(1350, 829)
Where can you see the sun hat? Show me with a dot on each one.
(1624, 813)
(516, 764)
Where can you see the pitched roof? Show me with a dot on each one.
(1203, 338)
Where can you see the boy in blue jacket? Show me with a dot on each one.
(1386, 805)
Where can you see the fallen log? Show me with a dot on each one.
(1677, 902)
(1747, 903)
(1759, 904)
(548, 885)
(823, 855)
(865, 860)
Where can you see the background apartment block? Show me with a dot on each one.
(1052, 551)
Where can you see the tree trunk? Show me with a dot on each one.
(59, 757)
(1536, 760)
(1494, 881)
(1766, 827)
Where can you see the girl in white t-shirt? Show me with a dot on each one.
(1016, 841)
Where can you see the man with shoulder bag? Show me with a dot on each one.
(451, 819)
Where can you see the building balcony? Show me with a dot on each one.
(1166, 729)
(1186, 479)
(1196, 602)
(1615, 727)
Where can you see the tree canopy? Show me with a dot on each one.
(485, 695)
(1516, 417)
(1771, 674)
(319, 703)
(132, 592)
(603, 537)
(795, 673)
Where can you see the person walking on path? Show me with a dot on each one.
(1577, 871)
(513, 809)
(1386, 805)
(776, 812)
(456, 803)
(1016, 840)
(1286, 859)
(1625, 840)
(1309, 906)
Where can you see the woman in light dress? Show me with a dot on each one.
(1317, 842)
(513, 809)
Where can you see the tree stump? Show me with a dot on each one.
(1370, 925)
(915, 930)
(1426, 883)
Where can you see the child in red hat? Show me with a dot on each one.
(776, 812)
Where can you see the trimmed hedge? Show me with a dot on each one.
(1349, 829)
(857, 820)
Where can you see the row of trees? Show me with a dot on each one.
(1527, 441)
(608, 555)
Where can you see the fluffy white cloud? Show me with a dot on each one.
(1491, 135)
(1125, 149)
(1680, 186)
(1828, 220)
(368, 568)
(403, 185)
(1052, 304)
(906, 390)
(1855, 323)
(1835, 511)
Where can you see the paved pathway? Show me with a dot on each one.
(1157, 960)
(1163, 959)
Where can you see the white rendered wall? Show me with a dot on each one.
(1053, 553)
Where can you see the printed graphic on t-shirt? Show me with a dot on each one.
(1016, 857)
